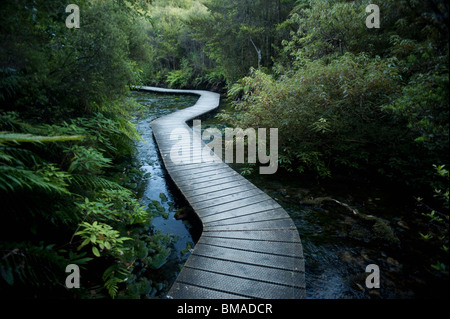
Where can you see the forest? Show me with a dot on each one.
(364, 104)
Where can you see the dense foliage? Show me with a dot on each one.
(65, 136)
(346, 95)
(210, 44)
(373, 103)
(348, 100)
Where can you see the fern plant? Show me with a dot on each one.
(113, 276)
(94, 182)
(87, 160)
(31, 264)
(22, 169)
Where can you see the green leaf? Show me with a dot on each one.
(82, 261)
(7, 274)
(95, 251)
(84, 243)
(163, 197)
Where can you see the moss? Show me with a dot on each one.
(382, 230)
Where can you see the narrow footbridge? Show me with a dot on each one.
(249, 247)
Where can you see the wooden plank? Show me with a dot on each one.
(254, 272)
(186, 291)
(249, 257)
(279, 236)
(225, 191)
(208, 179)
(271, 224)
(242, 286)
(214, 182)
(209, 216)
(280, 248)
(202, 172)
(193, 192)
(255, 199)
(253, 217)
(226, 199)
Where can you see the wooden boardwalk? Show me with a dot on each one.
(249, 247)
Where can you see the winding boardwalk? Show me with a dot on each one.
(249, 247)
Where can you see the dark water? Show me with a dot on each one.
(338, 244)
(157, 185)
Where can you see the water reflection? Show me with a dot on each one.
(157, 185)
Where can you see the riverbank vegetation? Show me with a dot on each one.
(65, 140)
(368, 104)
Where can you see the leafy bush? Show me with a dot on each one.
(65, 132)
(345, 97)
(325, 114)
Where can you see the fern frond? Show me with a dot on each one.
(47, 178)
(10, 121)
(114, 275)
(17, 156)
(30, 264)
(94, 182)
(88, 160)
(128, 129)
(9, 137)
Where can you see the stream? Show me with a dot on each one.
(344, 226)
(157, 185)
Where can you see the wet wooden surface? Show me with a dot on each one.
(249, 247)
